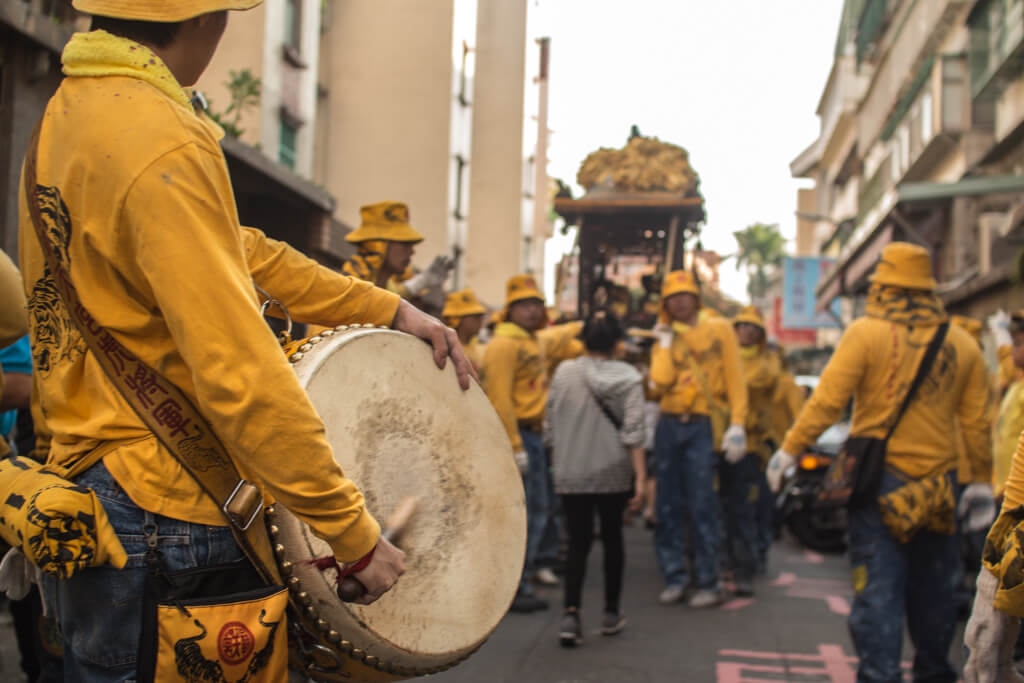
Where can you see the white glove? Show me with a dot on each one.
(17, 574)
(431, 278)
(999, 326)
(522, 461)
(734, 443)
(777, 466)
(977, 507)
(663, 335)
(989, 637)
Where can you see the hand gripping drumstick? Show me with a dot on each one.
(350, 589)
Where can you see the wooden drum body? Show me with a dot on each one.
(401, 427)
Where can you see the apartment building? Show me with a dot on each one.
(909, 146)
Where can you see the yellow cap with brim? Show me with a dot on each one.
(462, 303)
(749, 315)
(906, 266)
(520, 287)
(676, 282)
(387, 221)
(159, 10)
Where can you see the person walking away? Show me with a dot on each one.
(741, 481)
(516, 382)
(135, 197)
(695, 368)
(594, 424)
(465, 314)
(903, 554)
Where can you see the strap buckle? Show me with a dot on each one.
(244, 504)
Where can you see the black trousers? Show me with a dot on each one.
(579, 511)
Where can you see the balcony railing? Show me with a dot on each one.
(996, 44)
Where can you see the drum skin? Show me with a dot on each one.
(400, 427)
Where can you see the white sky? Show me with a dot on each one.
(735, 82)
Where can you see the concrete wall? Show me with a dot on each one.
(388, 76)
(494, 244)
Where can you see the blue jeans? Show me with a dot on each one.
(741, 490)
(99, 609)
(893, 579)
(685, 471)
(538, 502)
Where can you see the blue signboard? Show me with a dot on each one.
(800, 277)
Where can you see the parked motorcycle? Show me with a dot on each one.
(820, 530)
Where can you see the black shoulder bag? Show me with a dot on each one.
(855, 476)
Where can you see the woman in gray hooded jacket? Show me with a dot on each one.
(594, 424)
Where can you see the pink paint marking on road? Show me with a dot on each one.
(838, 605)
(735, 672)
(738, 603)
(784, 579)
(835, 665)
(813, 557)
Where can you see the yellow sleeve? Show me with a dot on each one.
(13, 310)
(190, 250)
(499, 385)
(838, 382)
(313, 293)
(973, 414)
(663, 369)
(735, 385)
(1008, 371)
(559, 342)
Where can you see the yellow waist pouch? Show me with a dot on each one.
(920, 504)
(219, 623)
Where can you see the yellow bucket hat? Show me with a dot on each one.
(521, 287)
(750, 315)
(970, 325)
(158, 10)
(384, 221)
(679, 282)
(906, 266)
(462, 303)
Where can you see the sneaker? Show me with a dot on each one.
(570, 634)
(705, 598)
(744, 588)
(545, 577)
(672, 594)
(528, 603)
(612, 623)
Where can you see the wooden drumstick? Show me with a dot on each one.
(350, 589)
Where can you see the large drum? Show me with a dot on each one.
(401, 427)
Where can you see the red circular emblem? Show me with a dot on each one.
(235, 642)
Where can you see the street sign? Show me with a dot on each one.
(800, 278)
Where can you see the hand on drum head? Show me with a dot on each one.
(387, 564)
(411, 320)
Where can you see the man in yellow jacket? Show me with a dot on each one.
(385, 243)
(695, 368)
(137, 203)
(465, 314)
(741, 481)
(874, 364)
(516, 381)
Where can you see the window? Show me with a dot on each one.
(926, 118)
(286, 144)
(293, 24)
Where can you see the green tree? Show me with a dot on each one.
(761, 248)
(244, 89)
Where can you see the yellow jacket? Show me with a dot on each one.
(713, 346)
(1008, 370)
(761, 373)
(875, 363)
(786, 405)
(515, 378)
(138, 190)
(560, 343)
(475, 353)
(1009, 428)
(13, 316)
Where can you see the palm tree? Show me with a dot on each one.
(761, 248)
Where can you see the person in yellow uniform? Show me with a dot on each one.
(515, 377)
(1010, 423)
(741, 481)
(902, 567)
(465, 314)
(137, 203)
(695, 369)
(385, 243)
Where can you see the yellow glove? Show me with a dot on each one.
(61, 527)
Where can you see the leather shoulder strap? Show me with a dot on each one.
(161, 405)
(930, 354)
